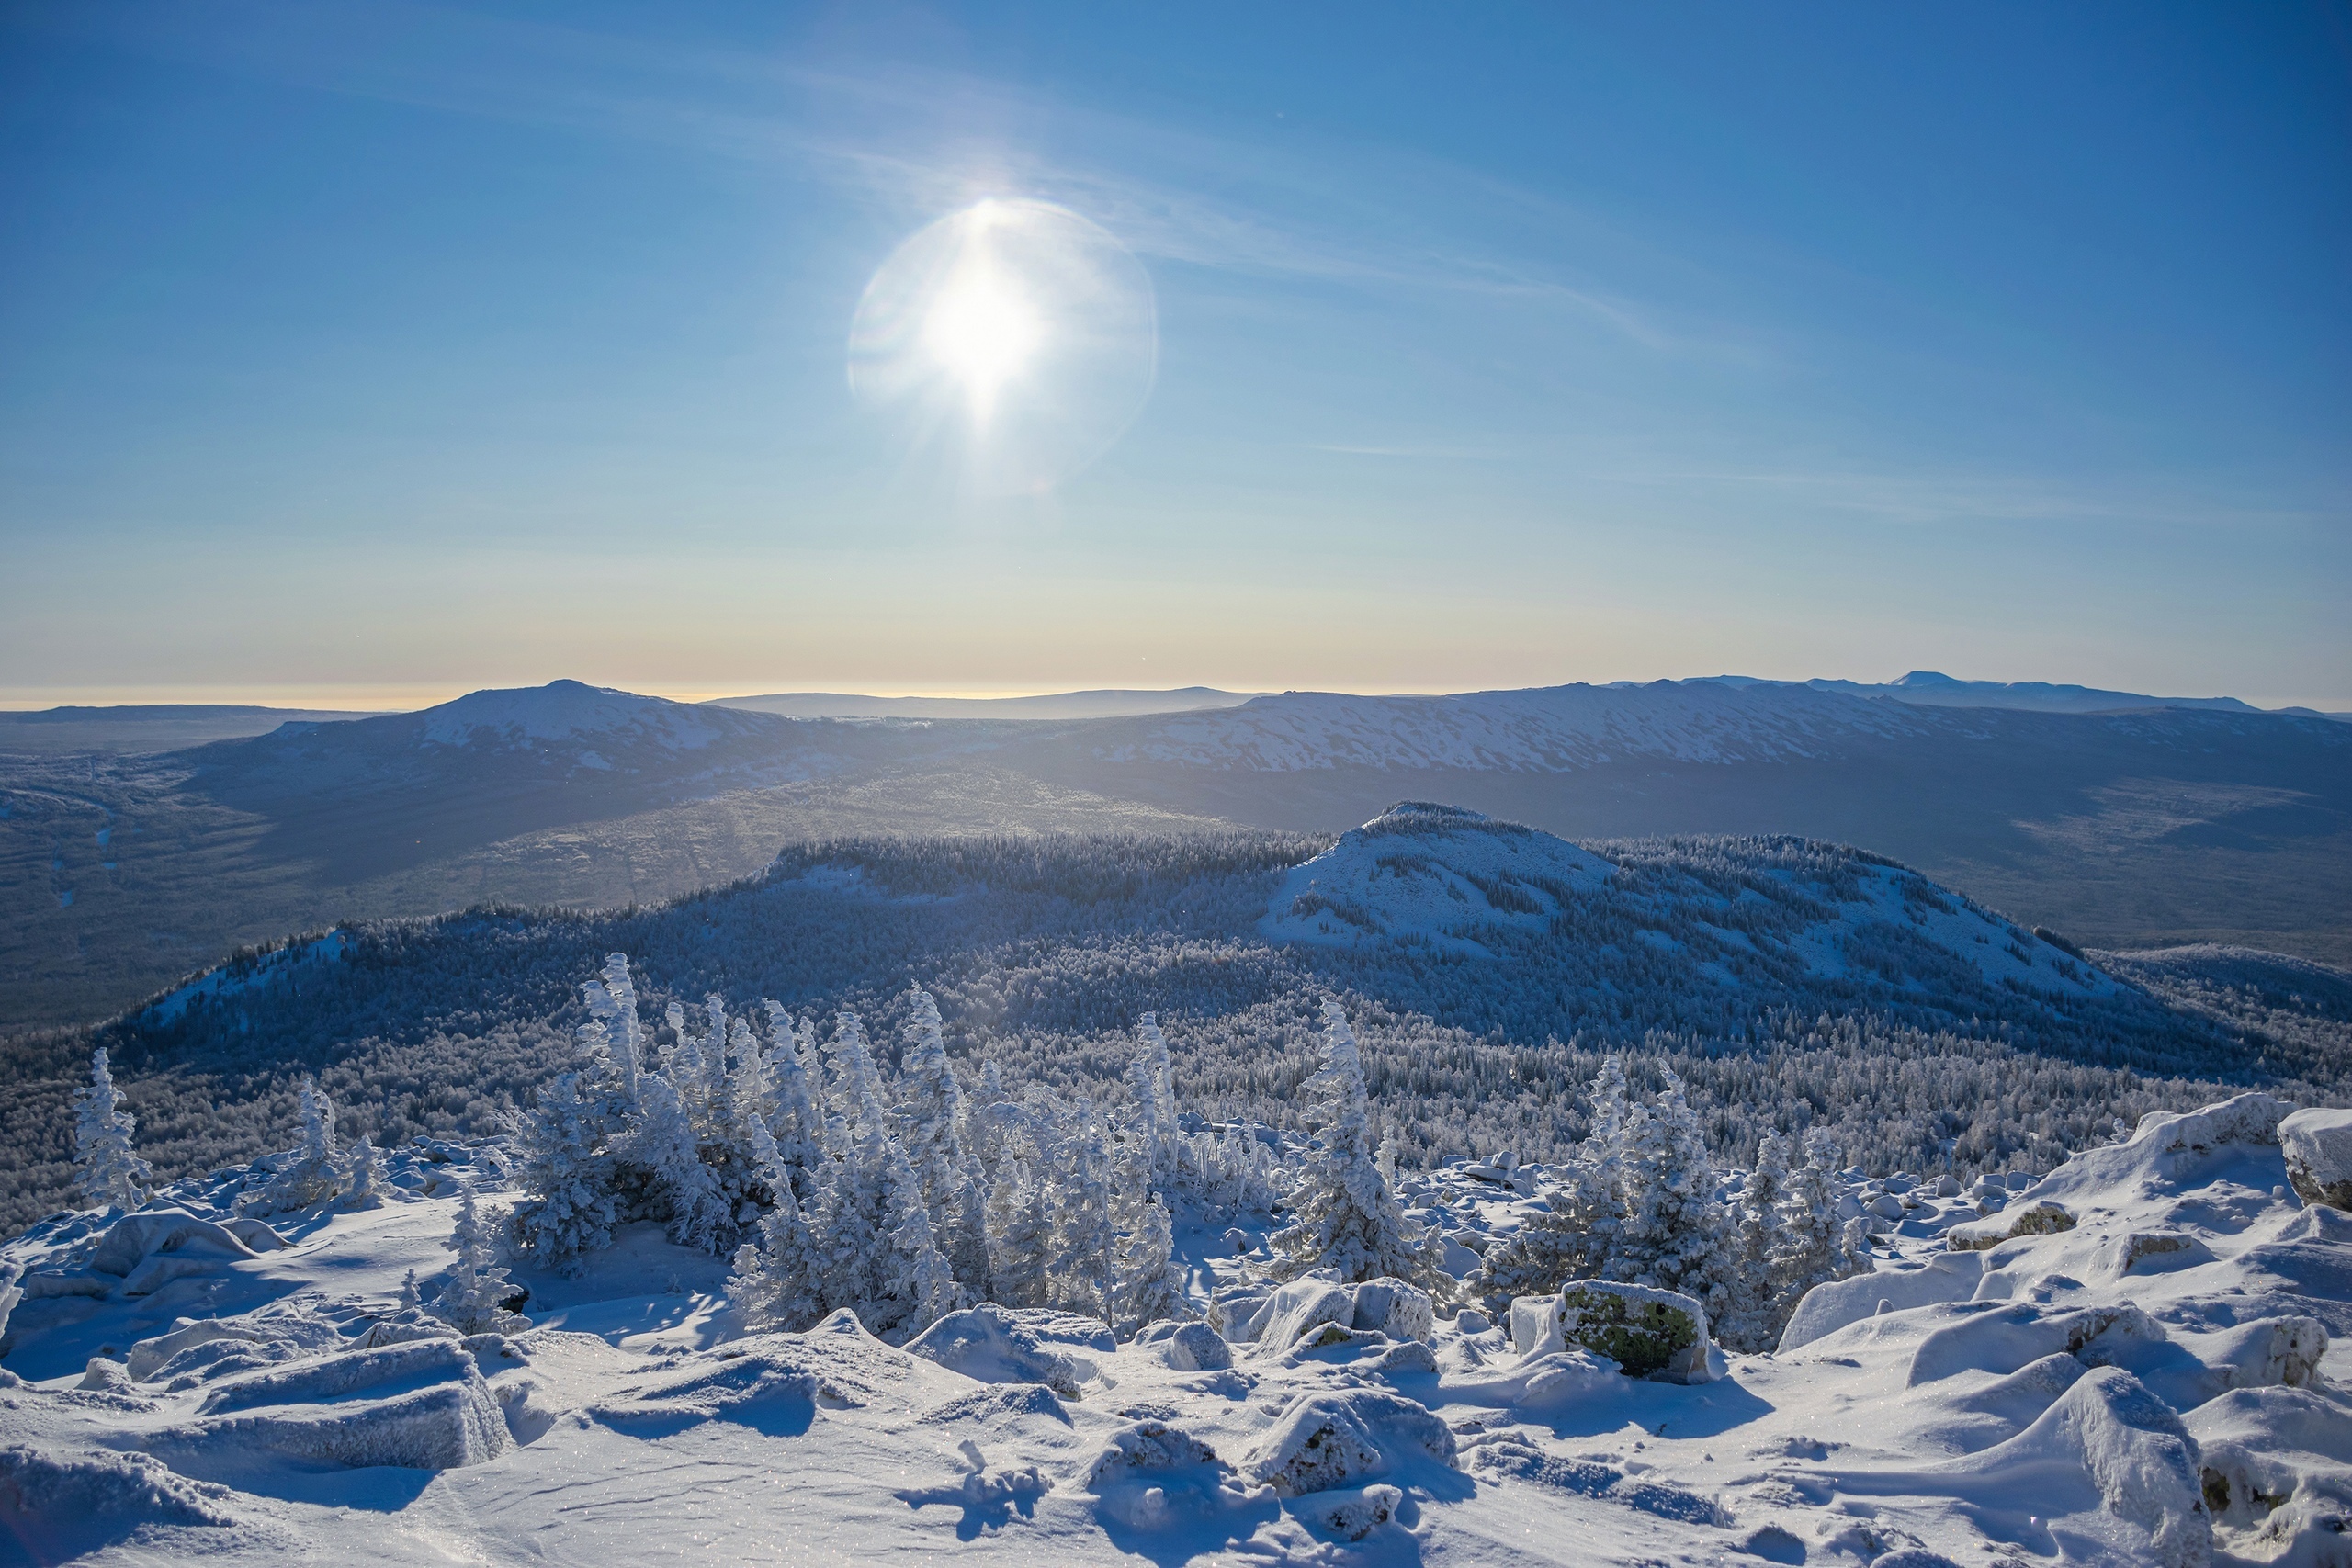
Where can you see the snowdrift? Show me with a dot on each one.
(2158, 1384)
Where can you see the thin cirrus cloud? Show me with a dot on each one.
(915, 141)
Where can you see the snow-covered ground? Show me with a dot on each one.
(1434, 876)
(2151, 1383)
(1546, 728)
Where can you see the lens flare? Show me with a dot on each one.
(1013, 341)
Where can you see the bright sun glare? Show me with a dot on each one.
(1014, 338)
(982, 331)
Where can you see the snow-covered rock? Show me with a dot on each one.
(1326, 1440)
(1827, 1307)
(1648, 1332)
(991, 1344)
(1197, 1348)
(2277, 1467)
(2319, 1155)
(2043, 1217)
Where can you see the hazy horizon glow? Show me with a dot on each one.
(383, 348)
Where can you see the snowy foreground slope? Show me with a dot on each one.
(2126, 1361)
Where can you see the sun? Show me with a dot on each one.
(982, 332)
(1011, 342)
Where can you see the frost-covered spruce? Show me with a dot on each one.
(1081, 1257)
(1020, 1232)
(563, 1165)
(1153, 1083)
(314, 1170)
(364, 1186)
(794, 1123)
(915, 1287)
(1348, 1218)
(1812, 1245)
(662, 1140)
(472, 1302)
(612, 1008)
(1148, 1283)
(852, 1082)
(107, 1172)
(931, 1120)
(775, 1284)
(847, 1218)
(1570, 1240)
(1755, 1320)
(1674, 1233)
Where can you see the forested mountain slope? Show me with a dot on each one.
(120, 874)
(1790, 982)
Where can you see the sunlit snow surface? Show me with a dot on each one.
(245, 1393)
(1452, 880)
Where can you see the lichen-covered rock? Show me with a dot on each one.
(1647, 1332)
(2318, 1144)
(1327, 1440)
(2043, 1216)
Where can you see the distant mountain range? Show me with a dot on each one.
(2136, 822)
(1058, 706)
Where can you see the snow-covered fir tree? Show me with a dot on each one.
(1081, 1255)
(795, 1124)
(662, 1140)
(775, 1284)
(611, 1006)
(1148, 1284)
(1152, 1082)
(312, 1172)
(1346, 1216)
(914, 1285)
(563, 1164)
(1813, 1245)
(932, 1121)
(1020, 1235)
(364, 1184)
(1673, 1233)
(1573, 1236)
(107, 1172)
(1754, 1319)
(474, 1300)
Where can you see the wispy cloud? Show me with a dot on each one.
(915, 142)
(1409, 450)
(1932, 498)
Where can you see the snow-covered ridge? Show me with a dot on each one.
(1550, 729)
(1455, 881)
(1431, 873)
(563, 709)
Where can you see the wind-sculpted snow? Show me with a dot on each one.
(1546, 730)
(2058, 1409)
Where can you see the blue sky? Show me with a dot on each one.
(359, 354)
